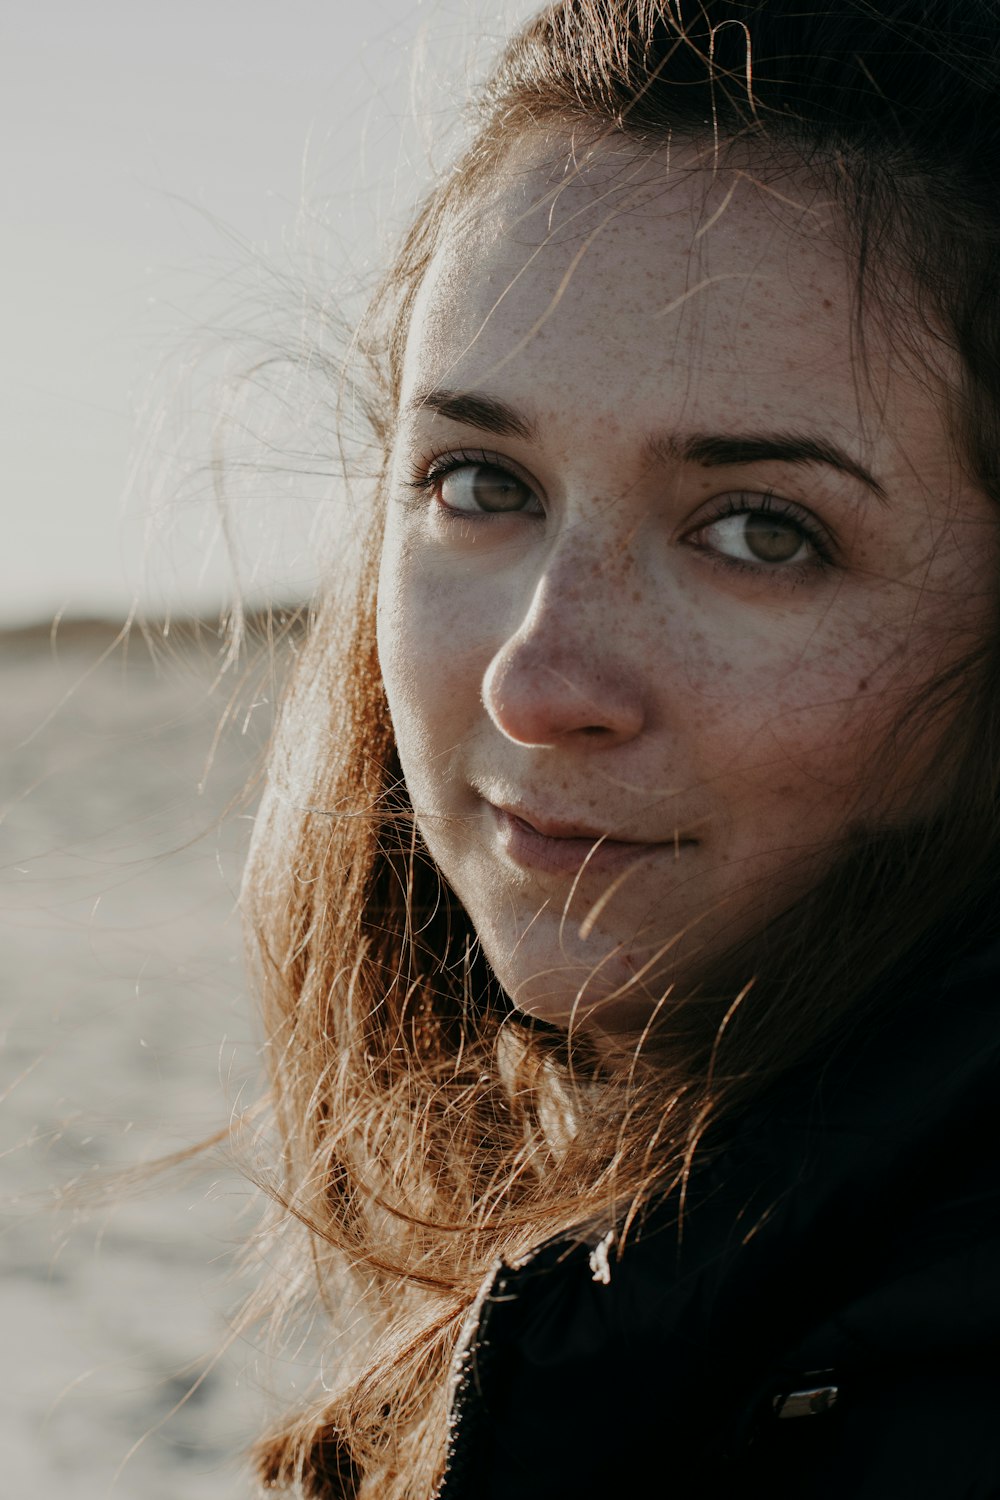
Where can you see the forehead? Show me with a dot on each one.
(648, 285)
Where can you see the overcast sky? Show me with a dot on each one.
(149, 150)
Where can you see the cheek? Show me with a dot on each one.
(790, 720)
(430, 667)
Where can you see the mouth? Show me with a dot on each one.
(559, 848)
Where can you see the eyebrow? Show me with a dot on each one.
(706, 449)
(723, 450)
(474, 410)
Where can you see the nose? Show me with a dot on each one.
(567, 672)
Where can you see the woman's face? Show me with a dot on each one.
(663, 565)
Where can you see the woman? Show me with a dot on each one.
(626, 891)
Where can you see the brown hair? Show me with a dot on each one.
(424, 1128)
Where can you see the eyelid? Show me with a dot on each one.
(431, 466)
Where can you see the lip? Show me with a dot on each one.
(565, 848)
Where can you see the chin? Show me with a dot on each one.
(612, 996)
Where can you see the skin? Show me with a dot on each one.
(691, 658)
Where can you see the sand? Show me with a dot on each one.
(128, 1032)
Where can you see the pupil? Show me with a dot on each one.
(770, 539)
(493, 489)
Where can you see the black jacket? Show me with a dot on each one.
(847, 1245)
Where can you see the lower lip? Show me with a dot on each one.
(537, 851)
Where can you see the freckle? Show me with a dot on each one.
(863, 685)
(827, 302)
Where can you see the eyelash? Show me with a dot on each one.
(768, 503)
(428, 472)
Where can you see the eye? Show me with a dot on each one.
(483, 487)
(757, 531)
(469, 484)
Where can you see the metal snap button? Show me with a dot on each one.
(811, 1402)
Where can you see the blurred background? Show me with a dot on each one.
(183, 185)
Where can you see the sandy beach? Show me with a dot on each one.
(128, 1032)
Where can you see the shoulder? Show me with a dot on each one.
(546, 1350)
(853, 1230)
(573, 1385)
